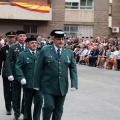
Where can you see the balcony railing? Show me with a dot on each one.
(15, 12)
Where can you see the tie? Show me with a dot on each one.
(22, 48)
(58, 53)
(33, 53)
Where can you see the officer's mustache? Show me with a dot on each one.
(60, 43)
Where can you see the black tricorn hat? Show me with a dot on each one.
(20, 32)
(10, 33)
(59, 34)
(31, 38)
(53, 32)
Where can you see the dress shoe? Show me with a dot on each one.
(8, 113)
(15, 118)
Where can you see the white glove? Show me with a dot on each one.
(72, 89)
(23, 81)
(10, 78)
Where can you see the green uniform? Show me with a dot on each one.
(52, 73)
(25, 69)
(10, 68)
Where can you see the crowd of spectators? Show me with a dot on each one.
(98, 52)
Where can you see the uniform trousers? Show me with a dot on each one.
(7, 88)
(118, 64)
(29, 95)
(92, 61)
(53, 105)
(16, 97)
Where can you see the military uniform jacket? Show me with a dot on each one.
(53, 72)
(25, 68)
(3, 54)
(12, 58)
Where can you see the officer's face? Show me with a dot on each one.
(59, 42)
(10, 39)
(21, 38)
(32, 45)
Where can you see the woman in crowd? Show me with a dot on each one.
(103, 55)
(112, 58)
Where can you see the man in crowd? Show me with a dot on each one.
(7, 85)
(52, 72)
(39, 44)
(93, 56)
(10, 67)
(25, 74)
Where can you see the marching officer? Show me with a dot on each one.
(7, 85)
(10, 67)
(25, 73)
(52, 71)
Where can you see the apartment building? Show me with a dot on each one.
(90, 18)
(40, 23)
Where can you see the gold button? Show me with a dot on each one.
(59, 77)
(59, 72)
(59, 62)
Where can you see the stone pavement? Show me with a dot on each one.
(98, 96)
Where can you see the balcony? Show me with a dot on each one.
(14, 12)
(73, 15)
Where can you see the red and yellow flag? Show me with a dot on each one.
(32, 7)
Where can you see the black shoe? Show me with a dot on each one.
(15, 118)
(8, 113)
(94, 65)
(22, 112)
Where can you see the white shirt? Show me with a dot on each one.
(32, 51)
(116, 52)
(84, 52)
(57, 49)
(22, 45)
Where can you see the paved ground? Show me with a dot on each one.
(98, 96)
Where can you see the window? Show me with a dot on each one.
(71, 5)
(71, 31)
(80, 4)
(85, 31)
(30, 28)
(86, 4)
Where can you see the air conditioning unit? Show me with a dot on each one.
(115, 29)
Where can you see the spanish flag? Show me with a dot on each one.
(32, 7)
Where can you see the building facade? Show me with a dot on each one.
(16, 18)
(90, 18)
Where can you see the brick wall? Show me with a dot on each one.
(101, 18)
(44, 27)
(58, 14)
